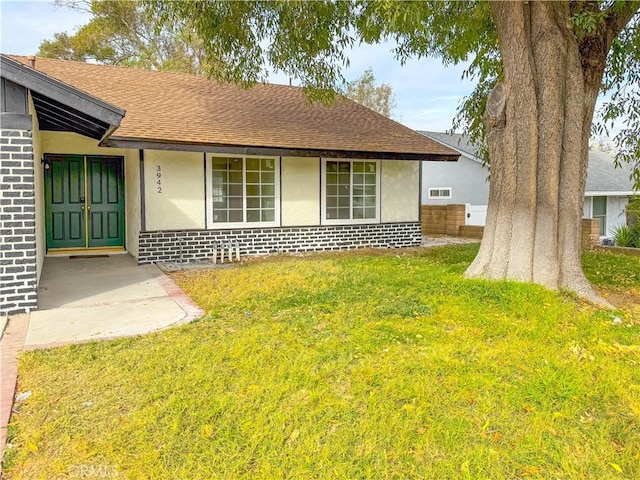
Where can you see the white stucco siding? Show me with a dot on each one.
(174, 190)
(300, 191)
(74, 144)
(400, 191)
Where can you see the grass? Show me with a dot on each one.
(349, 366)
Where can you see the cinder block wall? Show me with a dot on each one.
(450, 220)
(18, 271)
(471, 231)
(442, 219)
(590, 232)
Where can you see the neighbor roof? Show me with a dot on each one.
(174, 108)
(602, 174)
(604, 177)
(457, 141)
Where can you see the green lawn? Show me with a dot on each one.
(350, 366)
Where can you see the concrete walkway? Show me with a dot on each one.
(90, 298)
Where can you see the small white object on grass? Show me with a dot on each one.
(23, 396)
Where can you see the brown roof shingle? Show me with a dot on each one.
(173, 107)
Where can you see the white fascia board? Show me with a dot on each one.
(609, 194)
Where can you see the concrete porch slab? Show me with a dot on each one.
(103, 297)
(72, 325)
(88, 281)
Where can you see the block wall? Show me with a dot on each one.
(471, 231)
(18, 270)
(590, 233)
(442, 219)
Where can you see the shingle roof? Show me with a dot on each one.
(602, 174)
(173, 107)
(456, 141)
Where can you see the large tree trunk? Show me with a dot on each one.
(538, 122)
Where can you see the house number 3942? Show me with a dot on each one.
(158, 178)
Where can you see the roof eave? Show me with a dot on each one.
(61, 92)
(613, 193)
(452, 147)
(272, 151)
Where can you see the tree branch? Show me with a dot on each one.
(617, 19)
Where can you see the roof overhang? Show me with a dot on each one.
(226, 149)
(453, 147)
(61, 107)
(593, 193)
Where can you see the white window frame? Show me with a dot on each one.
(244, 224)
(430, 195)
(323, 193)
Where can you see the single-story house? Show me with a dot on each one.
(168, 166)
(467, 182)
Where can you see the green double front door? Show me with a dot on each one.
(84, 201)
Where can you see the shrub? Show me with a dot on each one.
(625, 236)
(633, 211)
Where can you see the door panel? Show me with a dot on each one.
(74, 221)
(64, 202)
(106, 202)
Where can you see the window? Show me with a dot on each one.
(440, 193)
(350, 191)
(599, 211)
(242, 190)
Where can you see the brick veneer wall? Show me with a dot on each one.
(18, 275)
(199, 244)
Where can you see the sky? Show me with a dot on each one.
(427, 93)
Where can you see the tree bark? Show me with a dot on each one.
(538, 122)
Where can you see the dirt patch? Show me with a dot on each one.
(625, 300)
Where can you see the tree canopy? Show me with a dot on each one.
(122, 32)
(379, 98)
(310, 41)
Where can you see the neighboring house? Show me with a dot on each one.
(466, 182)
(463, 182)
(607, 192)
(167, 166)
